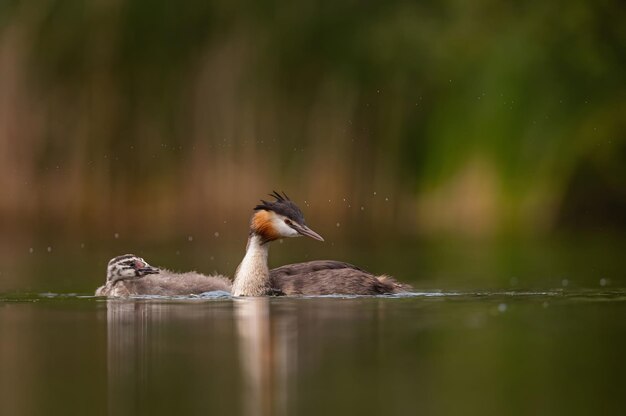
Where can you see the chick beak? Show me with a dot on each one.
(304, 230)
(148, 270)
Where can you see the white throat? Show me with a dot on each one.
(252, 277)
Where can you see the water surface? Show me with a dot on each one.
(502, 352)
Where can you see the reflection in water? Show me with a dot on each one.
(261, 356)
(127, 327)
(269, 335)
(141, 335)
(267, 349)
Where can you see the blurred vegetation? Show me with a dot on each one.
(433, 117)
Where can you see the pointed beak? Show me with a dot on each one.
(148, 270)
(304, 230)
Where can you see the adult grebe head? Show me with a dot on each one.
(280, 219)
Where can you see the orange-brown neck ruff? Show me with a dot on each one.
(262, 225)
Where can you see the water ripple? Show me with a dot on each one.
(578, 295)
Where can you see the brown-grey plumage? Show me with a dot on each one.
(329, 277)
(123, 281)
(280, 219)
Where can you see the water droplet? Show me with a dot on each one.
(82, 245)
(502, 307)
(545, 304)
(514, 281)
(116, 235)
(190, 238)
(31, 250)
(216, 234)
(374, 192)
(49, 249)
(338, 225)
(564, 282)
(212, 258)
(362, 208)
(604, 282)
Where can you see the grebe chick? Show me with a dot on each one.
(281, 219)
(130, 275)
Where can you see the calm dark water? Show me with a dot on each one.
(448, 353)
(507, 328)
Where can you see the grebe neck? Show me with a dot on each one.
(252, 277)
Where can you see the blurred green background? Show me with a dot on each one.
(155, 126)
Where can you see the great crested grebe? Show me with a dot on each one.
(130, 275)
(280, 219)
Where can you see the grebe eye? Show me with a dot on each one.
(288, 222)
